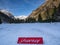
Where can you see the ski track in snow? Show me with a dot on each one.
(9, 33)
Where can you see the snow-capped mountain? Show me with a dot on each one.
(6, 13)
(21, 17)
(6, 16)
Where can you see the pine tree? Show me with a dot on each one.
(53, 15)
(0, 21)
(39, 18)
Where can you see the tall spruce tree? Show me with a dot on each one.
(39, 18)
(0, 21)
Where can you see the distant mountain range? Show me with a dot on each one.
(20, 17)
(7, 17)
(49, 11)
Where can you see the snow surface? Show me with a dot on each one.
(9, 33)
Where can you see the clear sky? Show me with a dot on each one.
(20, 7)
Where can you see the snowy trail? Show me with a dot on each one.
(9, 33)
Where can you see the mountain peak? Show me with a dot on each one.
(21, 17)
(6, 12)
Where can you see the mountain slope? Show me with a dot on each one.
(49, 10)
(7, 13)
(6, 16)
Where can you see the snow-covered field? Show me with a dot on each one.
(9, 33)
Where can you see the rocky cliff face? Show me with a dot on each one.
(49, 10)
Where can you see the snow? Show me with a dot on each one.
(4, 11)
(7, 13)
(9, 33)
(21, 17)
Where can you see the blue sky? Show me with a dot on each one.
(20, 7)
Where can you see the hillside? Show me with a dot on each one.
(6, 16)
(48, 11)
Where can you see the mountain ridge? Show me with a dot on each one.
(6, 16)
(21, 17)
(46, 10)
